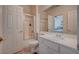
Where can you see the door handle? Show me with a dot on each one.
(1, 39)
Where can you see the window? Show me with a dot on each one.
(58, 23)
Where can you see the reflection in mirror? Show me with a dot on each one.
(58, 23)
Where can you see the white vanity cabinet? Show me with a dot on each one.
(42, 46)
(51, 50)
(49, 47)
(66, 50)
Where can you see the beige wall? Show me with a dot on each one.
(1, 29)
(43, 22)
(69, 14)
(1, 26)
(29, 9)
(41, 8)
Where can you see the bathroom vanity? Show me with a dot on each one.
(58, 30)
(57, 43)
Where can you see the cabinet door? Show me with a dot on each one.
(42, 46)
(42, 49)
(51, 44)
(50, 50)
(66, 50)
(47, 47)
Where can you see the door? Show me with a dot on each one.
(13, 27)
(19, 27)
(29, 27)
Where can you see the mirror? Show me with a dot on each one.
(57, 19)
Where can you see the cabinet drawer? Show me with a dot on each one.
(51, 45)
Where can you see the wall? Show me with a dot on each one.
(29, 9)
(41, 8)
(69, 13)
(43, 22)
(1, 30)
(78, 26)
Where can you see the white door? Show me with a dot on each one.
(13, 21)
(19, 27)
